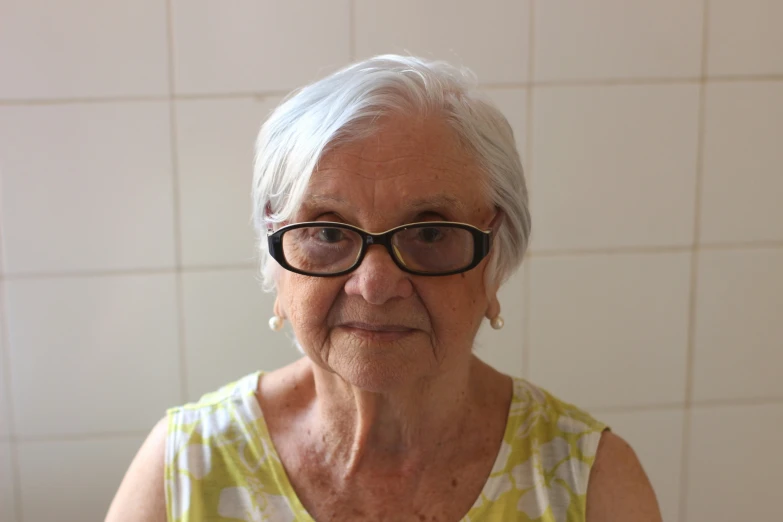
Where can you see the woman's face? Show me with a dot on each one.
(379, 327)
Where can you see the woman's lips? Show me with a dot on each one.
(378, 332)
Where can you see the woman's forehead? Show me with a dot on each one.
(414, 163)
(404, 185)
(400, 143)
(438, 201)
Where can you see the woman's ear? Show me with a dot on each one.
(278, 309)
(493, 306)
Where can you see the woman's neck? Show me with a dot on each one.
(401, 429)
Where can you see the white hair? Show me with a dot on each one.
(342, 108)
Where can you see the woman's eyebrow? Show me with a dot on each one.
(437, 202)
(318, 198)
(323, 200)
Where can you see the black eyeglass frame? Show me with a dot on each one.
(482, 242)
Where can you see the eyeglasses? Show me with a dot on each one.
(326, 249)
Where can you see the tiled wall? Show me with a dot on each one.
(652, 133)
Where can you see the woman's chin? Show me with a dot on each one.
(377, 365)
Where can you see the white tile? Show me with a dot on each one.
(743, 161)
(656, 436)
(107, 359)
(490, 37)
(613, 166)
(734, 463)
(86, 187)
(503, 349)
(513, 104)
(745, 37)
(7, 502)
(617, 39)
(257, 45)
(610, 330)
(83, 48)
(226, 329)
(215, 140)
(77, 478)
(739, 333)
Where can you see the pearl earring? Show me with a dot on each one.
(275, 323)
(497, 322)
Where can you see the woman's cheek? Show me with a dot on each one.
(310, 305)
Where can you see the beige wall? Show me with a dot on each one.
(652, 135)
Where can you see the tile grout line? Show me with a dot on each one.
(602, 410)
(352, 30)
(128, 272)
(603, 82)
(630, 409)
(33, 102)
(641, 408)
(541, 253)
(741, 245)
(631, 250)
(687, 424)
(231, 95)
(16, 472)
(677, 406)
(732, 78)
(612, 82)
(661, 249)
(526, 299)
(178, 279)
(728, 403)
(82, 437)
(527, 275)
(5, 354)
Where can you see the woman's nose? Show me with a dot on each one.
(378, 279)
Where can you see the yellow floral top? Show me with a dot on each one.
(221, 464)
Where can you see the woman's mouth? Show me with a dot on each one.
(377, 332)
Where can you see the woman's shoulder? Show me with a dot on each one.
(542, 409)
(215, 416)
(221, 443)
(149, 490)
(545, 458)
(556, 456)
(229, 392)
(141, 495)
(541, 423)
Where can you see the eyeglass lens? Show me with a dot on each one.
(329, 250)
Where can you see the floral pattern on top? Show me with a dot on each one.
(221, 465)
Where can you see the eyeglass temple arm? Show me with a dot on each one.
(496, 220)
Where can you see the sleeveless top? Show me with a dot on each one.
(221, 465)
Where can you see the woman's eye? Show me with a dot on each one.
(430, 235)
(330, 235)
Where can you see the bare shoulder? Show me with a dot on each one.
(141, 496)
(619, 489)
(289, 386)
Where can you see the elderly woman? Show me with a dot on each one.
(391, 206)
